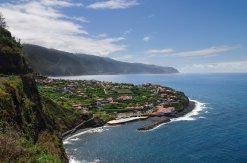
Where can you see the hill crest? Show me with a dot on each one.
(53, 62)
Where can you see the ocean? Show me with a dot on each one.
(216, 131)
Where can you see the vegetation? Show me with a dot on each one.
(56, 63)
(32, 122)
(2, 22)
(27, 134)
(105, 100)
(30, 126)
(12, 59)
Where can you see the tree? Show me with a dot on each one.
(2, 21)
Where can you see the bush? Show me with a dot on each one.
(10, 148)
(48, 159)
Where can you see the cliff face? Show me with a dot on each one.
(24, 122)
(30, 126)
(21, 105)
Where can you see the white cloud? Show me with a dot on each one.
(207, 52)
(60, 3)
(113, 4)
(123, 58)
(146, 38)
(234, 66)
(102, 35)
(153, 52)
(211, 51)
(80, 19)
(43, 23)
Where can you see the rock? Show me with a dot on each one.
(157, 121)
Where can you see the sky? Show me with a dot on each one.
(190, 35)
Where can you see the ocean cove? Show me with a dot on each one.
(191, 138)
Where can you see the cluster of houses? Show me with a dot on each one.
(111, 100)
(165, 101)
(125, 98)
(168, 111)
(80, 107)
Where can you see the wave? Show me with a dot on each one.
(74, 137)
(191, 116)
(73, 160)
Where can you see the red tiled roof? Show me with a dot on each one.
(161, 109)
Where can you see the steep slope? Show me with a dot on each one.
(11, 58)
(53, 62)
(30, 126)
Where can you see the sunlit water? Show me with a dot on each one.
(216, 131)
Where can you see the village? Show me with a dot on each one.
(120, 100)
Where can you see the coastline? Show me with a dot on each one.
(188, 109)
(156, 122)
(164, 119)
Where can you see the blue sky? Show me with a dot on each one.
(191, 35)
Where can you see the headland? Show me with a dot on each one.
(116, 103)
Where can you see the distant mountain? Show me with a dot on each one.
(53, 62)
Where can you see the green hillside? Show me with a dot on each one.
(57, 63)
(30, 125)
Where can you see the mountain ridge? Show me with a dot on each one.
(54, 62)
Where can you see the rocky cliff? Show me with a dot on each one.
(30, 125)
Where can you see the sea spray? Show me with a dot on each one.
(191, 116)
(73, 138)
(199, 107)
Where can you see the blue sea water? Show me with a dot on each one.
(215, 132)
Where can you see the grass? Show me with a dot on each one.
(105, 116)
(15, 147)
(30, 132)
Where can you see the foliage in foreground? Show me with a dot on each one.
(30, 126)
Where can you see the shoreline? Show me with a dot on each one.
(164, 119)
(156, 122)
